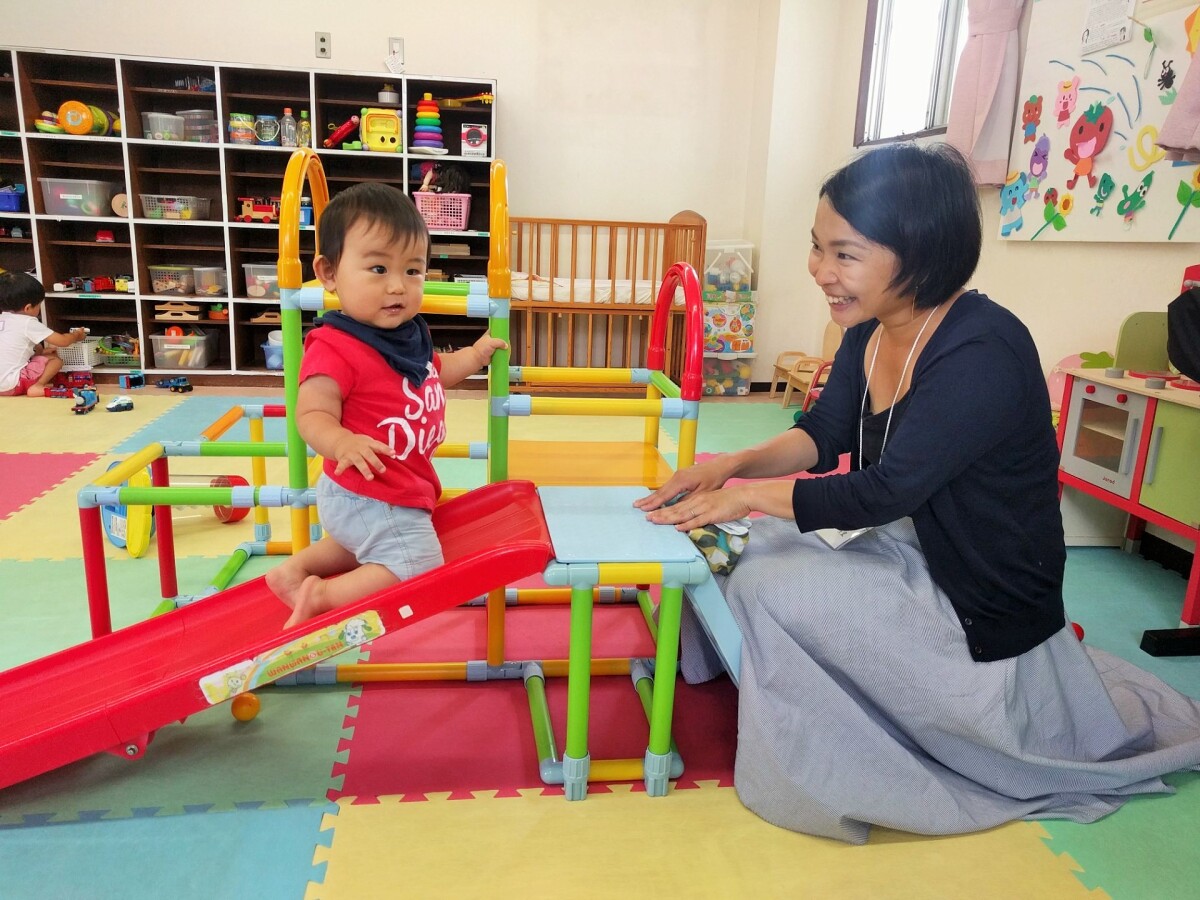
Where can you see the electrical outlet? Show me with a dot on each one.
(324, 48)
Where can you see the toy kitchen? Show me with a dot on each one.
(1130, 440)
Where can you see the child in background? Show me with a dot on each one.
(371, 402)
(28, 360)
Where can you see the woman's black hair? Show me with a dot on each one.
(377, 204)
(920, 202)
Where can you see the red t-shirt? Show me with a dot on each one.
(380, 402)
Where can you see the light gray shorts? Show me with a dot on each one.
(401, 538)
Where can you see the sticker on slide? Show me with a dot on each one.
(291, 657)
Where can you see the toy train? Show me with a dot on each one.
(258, 209)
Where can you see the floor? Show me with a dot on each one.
(431, 789)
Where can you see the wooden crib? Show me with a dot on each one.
(583, 290)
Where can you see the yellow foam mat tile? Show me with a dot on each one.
(696, 843)
(49, 426)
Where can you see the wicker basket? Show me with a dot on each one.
(446, 212)
(82, 356)
(169, 206)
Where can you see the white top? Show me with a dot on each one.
(19, 336)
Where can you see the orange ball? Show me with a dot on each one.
(244, 707)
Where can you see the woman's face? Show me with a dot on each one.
(854, 273)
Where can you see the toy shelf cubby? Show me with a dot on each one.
(223, 226)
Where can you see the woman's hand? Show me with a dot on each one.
(704, 508)
(705, 476)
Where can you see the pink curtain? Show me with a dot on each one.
(984, 101)
(1180, 132)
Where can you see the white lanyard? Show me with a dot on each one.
(867, 389)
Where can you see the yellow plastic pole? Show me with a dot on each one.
(558, 374)
(498, 271)
(258, 470)
(593, 406)
(495, 626)
(631, 573)
(687, 443)
(135, 463)
(446, 306)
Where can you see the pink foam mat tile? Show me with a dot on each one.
(414, 738)
(28, 476)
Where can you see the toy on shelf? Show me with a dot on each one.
(75, 117)
(427, 133)
(340, 133)
(380, 130)
(258, 209)
(47, 123)
(457, 102)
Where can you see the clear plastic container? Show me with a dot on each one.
(273, 353)
(189, 351)
(262, 283)
(162, 126)
(78, 197)
(210, 281)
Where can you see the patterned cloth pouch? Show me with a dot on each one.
(722, 543)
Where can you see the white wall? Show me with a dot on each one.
(635, 109)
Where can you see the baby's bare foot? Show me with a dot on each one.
(35, 390)
(311, 600)
(284, 581)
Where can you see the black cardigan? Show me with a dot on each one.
(973, 461)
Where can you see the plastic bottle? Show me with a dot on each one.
(304, 130)
(287, 128)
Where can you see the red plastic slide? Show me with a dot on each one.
(112, 693)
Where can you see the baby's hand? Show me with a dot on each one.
(79, 333)
(362, 453)
(487, 345)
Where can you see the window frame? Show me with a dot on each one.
(874, 61)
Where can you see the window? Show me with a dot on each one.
(910, 52)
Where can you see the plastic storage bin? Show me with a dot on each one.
(81, 356)
(727, 265)
(158, 126)
(78, 197)
(12, 201)
(172, 280)
(170, 206)
(447, 212)
(273, 354)
(210, 281)
(261, 281)
(189, 351)
(727, 374)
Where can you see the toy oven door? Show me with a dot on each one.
(1101, 441)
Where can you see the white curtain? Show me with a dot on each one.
(983, 105)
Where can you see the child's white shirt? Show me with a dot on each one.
(19, 336)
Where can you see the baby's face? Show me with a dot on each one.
(379, 281)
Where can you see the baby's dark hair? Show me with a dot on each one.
(18, 290)
(377, 204)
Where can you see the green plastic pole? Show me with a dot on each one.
(498, 389)
(243, 449)
(297, 451)
(669, 608)
(579, 671)
(539, 714)
(225, 577)
(447, 288)
(647, 607)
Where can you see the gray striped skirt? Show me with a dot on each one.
(859, 704)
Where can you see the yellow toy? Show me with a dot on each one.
(380, 130)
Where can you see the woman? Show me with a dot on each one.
(922, 676)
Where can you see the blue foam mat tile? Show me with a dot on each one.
(185, 422)
(259, 853)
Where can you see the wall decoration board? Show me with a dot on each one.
(1097, 82)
